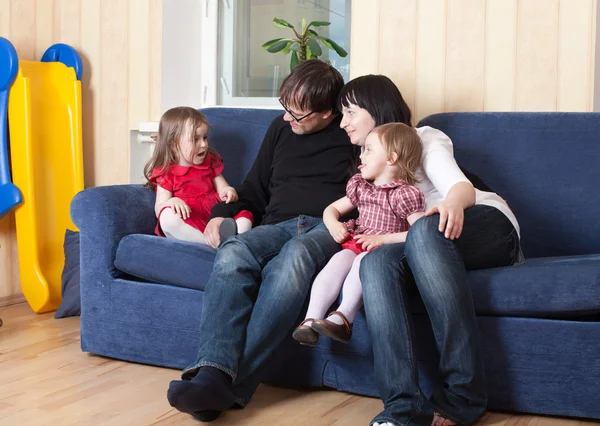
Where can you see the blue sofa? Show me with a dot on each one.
(142, 295)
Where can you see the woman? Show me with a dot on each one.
(463, 229)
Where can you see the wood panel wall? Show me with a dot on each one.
(479, 55)
(120, 42)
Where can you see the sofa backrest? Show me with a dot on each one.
(236, 134)
(546, 165)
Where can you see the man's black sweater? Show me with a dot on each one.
(294, 174)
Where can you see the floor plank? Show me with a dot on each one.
(46, 380)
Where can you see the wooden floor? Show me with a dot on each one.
(45, 379)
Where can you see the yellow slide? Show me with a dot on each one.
(44, 120)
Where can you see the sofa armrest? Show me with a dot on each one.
(104, 215)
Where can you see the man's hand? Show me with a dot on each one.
(452, 217)
(371, 242)
(339, 232)
(211, 232)
(180, 208)
(228, 194)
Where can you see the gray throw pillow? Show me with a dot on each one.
(71, 301)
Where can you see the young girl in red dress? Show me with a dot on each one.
(186, 174)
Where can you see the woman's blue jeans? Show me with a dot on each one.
(438, 267)
(255, 293)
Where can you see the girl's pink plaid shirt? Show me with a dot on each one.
(382, 209)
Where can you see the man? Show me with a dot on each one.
(261, 278)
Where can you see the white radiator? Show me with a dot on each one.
(141, 143)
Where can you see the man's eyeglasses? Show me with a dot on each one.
(298, 119)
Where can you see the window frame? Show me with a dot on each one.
(211, 68)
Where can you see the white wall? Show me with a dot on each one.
(181, 55)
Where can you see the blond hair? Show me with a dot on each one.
(405, 143)
(175, 124)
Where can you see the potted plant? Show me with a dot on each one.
(306, 43)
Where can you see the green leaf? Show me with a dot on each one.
(334, 46)
(287, 48)
(280, 45)
(308, 52)
(313, 32)
(295, 46)
(294, 61)
(282, 23)
(319, 24)
(303, 25)
(271, 43)
(326, 43)
(314, 47)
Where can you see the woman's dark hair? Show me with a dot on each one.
(379, 96)
(313, 85)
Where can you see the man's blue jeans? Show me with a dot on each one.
(255, 293)
(438, 267)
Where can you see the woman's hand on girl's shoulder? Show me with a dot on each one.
(452, 217)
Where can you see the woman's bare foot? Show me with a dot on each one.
(439, 420)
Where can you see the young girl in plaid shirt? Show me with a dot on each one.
(387, 205)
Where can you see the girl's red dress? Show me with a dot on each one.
(194, 185)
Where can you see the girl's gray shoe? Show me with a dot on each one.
(227, 229)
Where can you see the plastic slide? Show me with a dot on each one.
(44, 110)
(10, 196)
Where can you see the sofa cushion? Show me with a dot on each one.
(164, 260)
(549, 287)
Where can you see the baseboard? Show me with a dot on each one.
(11, 300)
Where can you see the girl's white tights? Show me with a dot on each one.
(243, 225)
(174, 227)
(342, 270)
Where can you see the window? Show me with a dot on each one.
(248, 75)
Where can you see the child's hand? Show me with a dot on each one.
(370, 242)
(228, 195)
(339, 232)
(180, 208)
